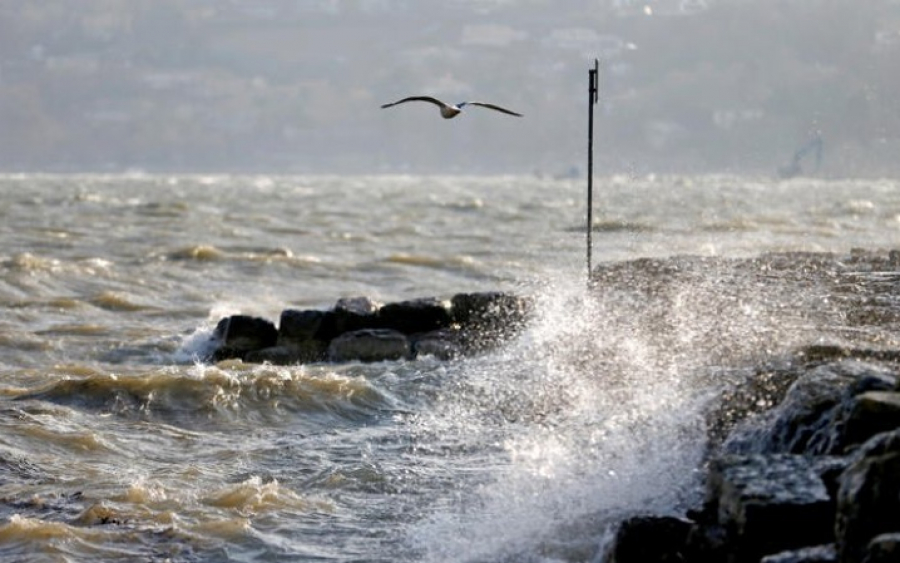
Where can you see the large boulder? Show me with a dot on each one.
(649, 539)
(769, 503)
(487, 318)
(240, 334)
(440, 344)
(298, 327)
(341, 321)
(370, 345)
(868, 502)
(489, 309)
(415, 316)
(869, 414)
(810, 419)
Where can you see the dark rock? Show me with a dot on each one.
(341, 321)
(871, 413)
(370, 345)
(296, 327)
(649, 539)
(868, 502)
(441, 344)
(769, 503)
(307, 352)
(357, 305)
(816, 554)
(492, 308)
(883, 549)
(707, 543)
(428, 323)
(489, 317)
(419, 315)
(240, 334)
(809, 419)
(830, 469)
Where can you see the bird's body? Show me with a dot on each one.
(449, 111)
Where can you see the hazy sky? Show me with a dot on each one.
(693, 85)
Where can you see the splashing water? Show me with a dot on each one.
(585, 416)
(599, 409)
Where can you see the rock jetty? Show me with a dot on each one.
(814, 480)
(359, 329)
(803, 460)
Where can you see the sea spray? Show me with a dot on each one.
(580, 416)
(599, 409)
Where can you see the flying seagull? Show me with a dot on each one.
(450, 111)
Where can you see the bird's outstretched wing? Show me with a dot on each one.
(491, 106)
(429, 99)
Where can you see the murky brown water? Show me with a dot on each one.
(115, 445)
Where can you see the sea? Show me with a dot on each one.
(119, 442)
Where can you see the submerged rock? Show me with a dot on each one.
(441, 344)
(370, 345)
(303, 353)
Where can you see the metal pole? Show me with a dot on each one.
(593, 96)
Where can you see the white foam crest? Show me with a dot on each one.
(195, 346)
(199, 343)
(589, 419)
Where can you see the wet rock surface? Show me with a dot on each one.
(803, 461)
(815, 479)
(359, 329)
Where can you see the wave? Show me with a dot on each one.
(115, 301)
(211, 394)
(253, 496)
(455, 263)
(209, 253)
(23, 342)
(198, 252)
(28, 539)
(28, 262)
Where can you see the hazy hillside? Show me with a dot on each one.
(280, 85)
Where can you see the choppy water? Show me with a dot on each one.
(115, 445)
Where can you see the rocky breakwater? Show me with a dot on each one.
(814, 480)
(359, 329)
(803, 453)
